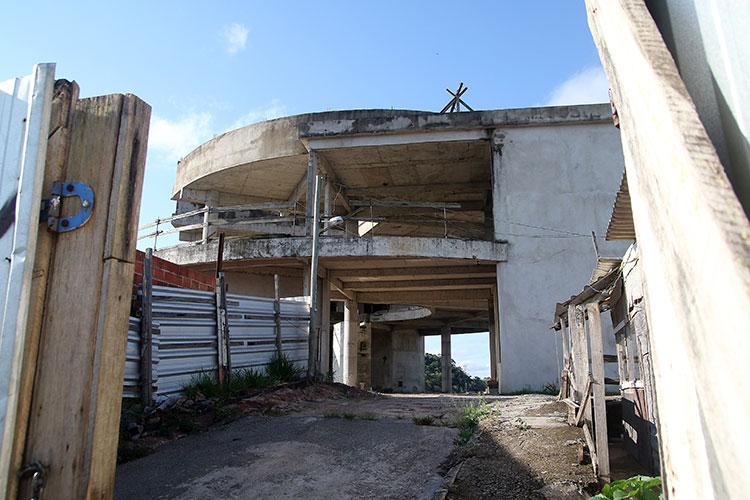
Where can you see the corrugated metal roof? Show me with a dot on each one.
(621, 225)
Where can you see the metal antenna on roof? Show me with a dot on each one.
(456, 102)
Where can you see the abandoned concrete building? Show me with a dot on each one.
(426, 224)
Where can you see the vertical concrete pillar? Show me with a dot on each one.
(212, 199)
(492, 333)
(312, 178)
(498, 209)
(495, 297)
(351, 335)
(445, 358)
(325, 326)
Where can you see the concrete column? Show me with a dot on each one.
(351, 334)
(445, 358)
(325, 326)
(312, 172)
(496, 343)
(212, 199)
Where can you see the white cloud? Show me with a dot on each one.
(585, 87)
(175, 139)
(273, 109)
(235, 37)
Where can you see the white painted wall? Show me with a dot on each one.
(554, 186)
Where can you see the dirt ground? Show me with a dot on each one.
(327, 440)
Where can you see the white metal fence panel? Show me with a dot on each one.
(184, 337)
(252, 331)
(25, 108)
(131, 386)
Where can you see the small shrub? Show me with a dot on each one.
(348, 416)
(222, 413)
(463, 437)
(426, 420)
(638, 487)
(368, 416)
(333, 414)
(282, 369)
(202, 384)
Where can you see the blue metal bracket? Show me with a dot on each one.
(52, 206)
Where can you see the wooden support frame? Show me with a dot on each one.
(107, 151)
(146, 330)
(597, 373)
(223, 351)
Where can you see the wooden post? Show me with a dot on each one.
(146, 330)
(58, 145)
(77, 392)
(277, 315)
(313, 365)
(597, 373)
(224, 359)
(579, 350)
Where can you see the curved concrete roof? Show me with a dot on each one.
(265, 161)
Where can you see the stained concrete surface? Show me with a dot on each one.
(293, 457)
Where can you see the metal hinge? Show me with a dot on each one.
(51, 206)
(38, 474)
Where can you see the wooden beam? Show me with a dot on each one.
(80, 366)
(597, 373)
(58, 146)
(697, 292)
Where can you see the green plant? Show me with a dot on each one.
(222, 413)
(368, 416)
(639, 487)
(463, 437)
(282, 369)
(426, 420)
(202, 384)
(550, 389)
(207, 385)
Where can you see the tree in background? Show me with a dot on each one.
(462, 381)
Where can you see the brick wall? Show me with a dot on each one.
(166, 273)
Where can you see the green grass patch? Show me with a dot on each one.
(350, 416)
(206, 384)
(425, 420)
(468, 420)
(281, 369)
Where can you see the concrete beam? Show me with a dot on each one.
(432, 189)
(422, 297)
(429, 285)
(376, 246)
(397, 139)
(414, 273)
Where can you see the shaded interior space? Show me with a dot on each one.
(398, 301)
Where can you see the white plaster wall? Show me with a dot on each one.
(337, 363)
(553, 181)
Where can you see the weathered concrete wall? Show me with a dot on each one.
(553, 186)
(382, 360)
(261, 285)
(408, 361)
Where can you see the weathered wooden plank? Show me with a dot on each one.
(146, 330)
(579, 350)
(597, 373)
(224, 361)
(81, 351)
(697, 292)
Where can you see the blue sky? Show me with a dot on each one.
(209, 67)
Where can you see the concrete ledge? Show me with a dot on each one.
(377, 246)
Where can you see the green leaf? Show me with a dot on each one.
(649, 495)
(656, 481)
(620, 494)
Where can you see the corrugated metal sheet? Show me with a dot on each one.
(185, 343)
(25, 107)
(131, 387)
